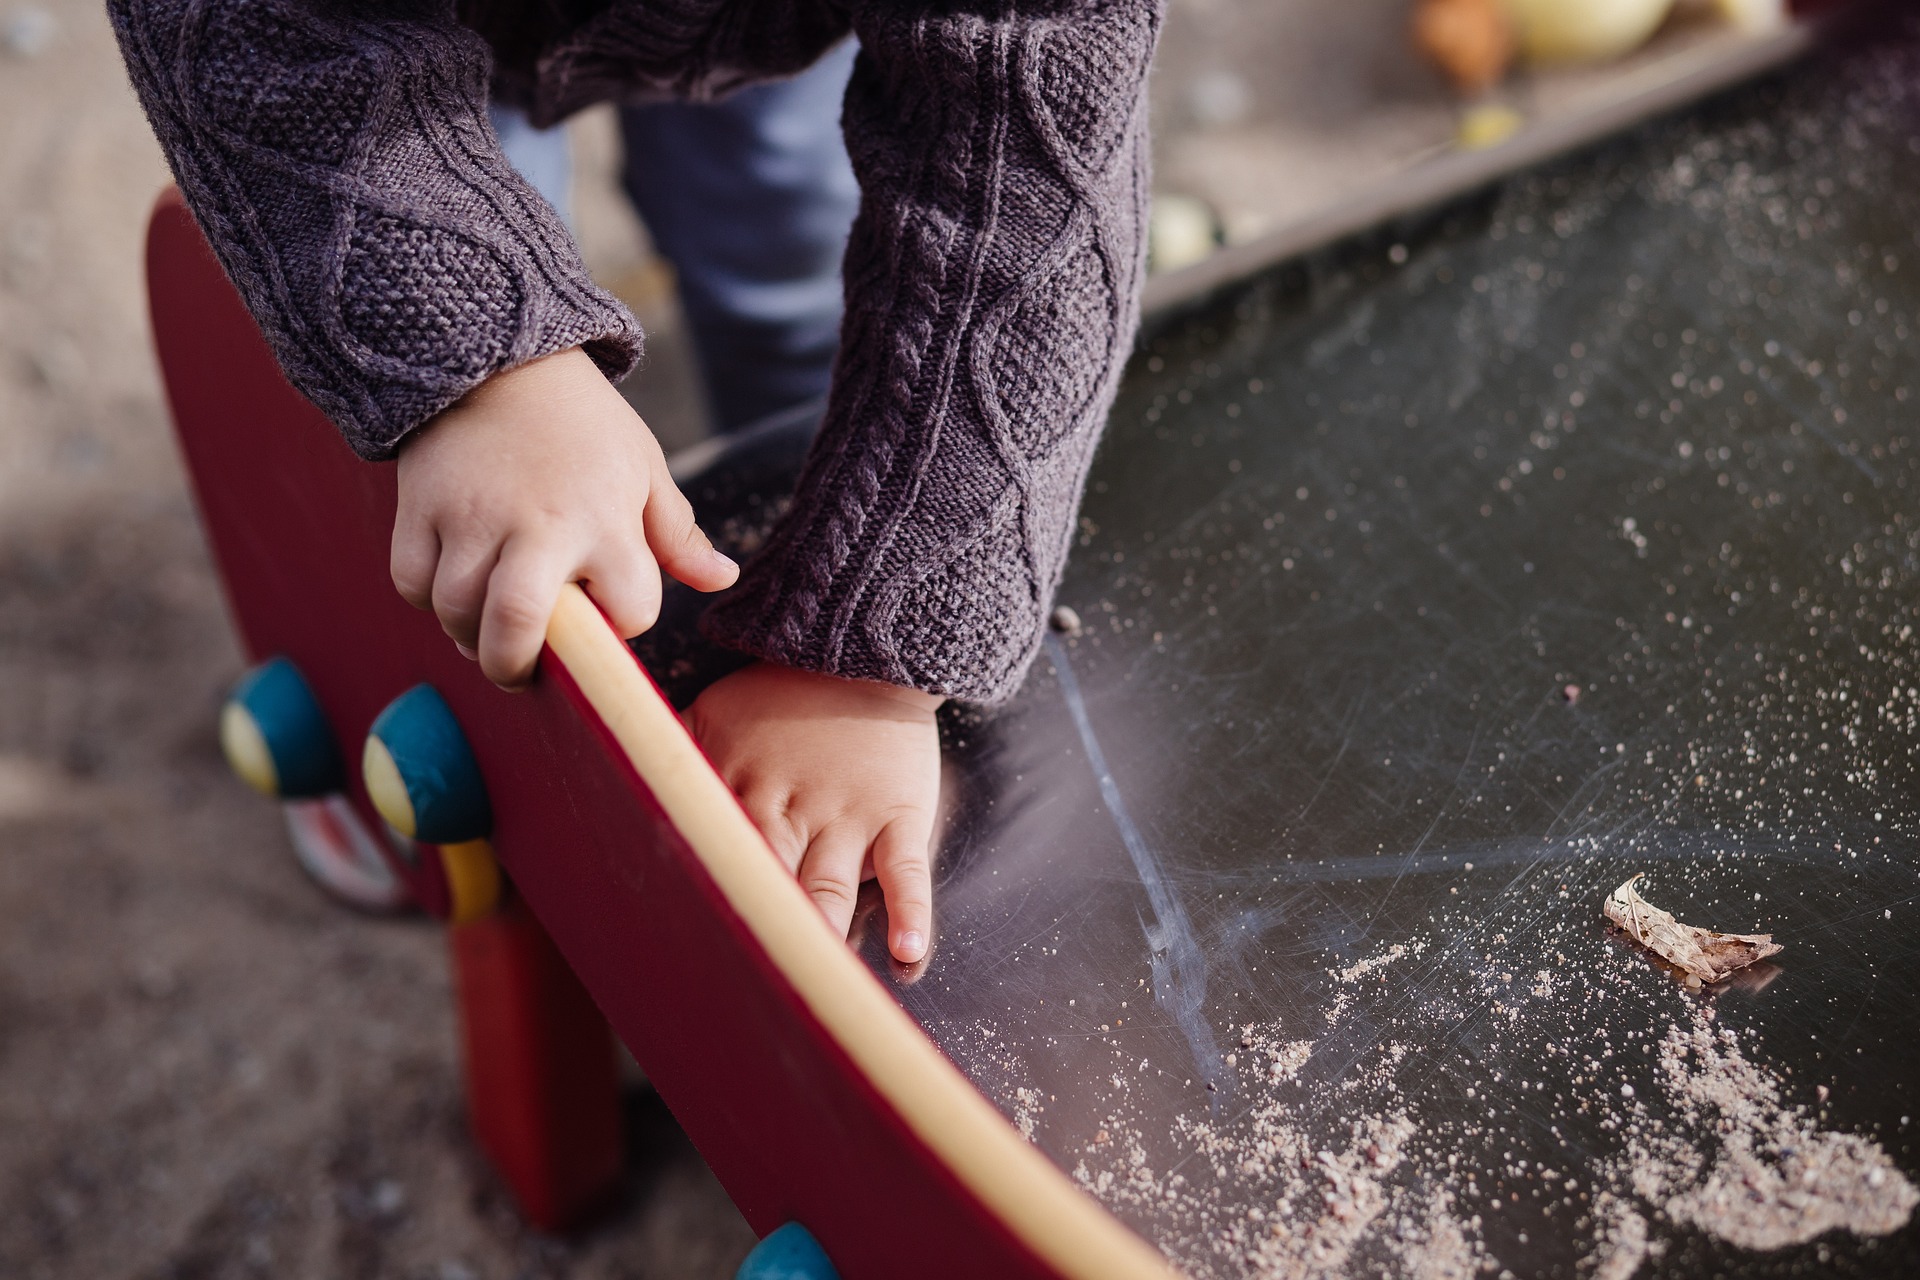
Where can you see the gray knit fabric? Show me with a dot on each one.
(338, 156)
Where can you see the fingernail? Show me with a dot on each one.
(912, 945)
(723, 557)
(469, 654)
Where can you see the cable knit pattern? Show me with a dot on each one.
(339, 158)
(993, 283)
(337, 154)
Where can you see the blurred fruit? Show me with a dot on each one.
(1753, 16)
(1472, 41)
(1584, 30)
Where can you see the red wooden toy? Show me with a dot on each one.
(814, 1097)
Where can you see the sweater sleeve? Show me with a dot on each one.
(992, 284)
(338, 157)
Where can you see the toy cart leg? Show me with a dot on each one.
(543, 1085)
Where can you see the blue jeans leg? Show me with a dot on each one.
(541, 156)
(751, 198)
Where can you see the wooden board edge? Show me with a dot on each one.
(1436, 182)
(1038, 1203)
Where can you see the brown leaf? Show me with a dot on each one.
(1702, 953)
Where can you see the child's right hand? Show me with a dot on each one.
(843, 779)
(541, 476)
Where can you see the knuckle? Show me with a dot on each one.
(908, 885)
(693, 537)
(912, 849)
(515, 611)
(828, 890)
(675, 515)
(908, 855)
(909, 895)
(456, 596)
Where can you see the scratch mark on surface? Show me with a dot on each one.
(1346, 740)
(1178, 964)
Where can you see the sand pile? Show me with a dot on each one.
(1352, 1171)
(1734, 1160)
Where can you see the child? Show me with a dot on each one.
(338, 156)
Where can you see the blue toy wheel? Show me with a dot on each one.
(421, 774)
(276, 737)
(788, 1253)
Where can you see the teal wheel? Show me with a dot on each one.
(788, 1253)
(276, 737)
(421, 774)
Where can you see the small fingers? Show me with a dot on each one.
(459, 590)
(902, 862)
(520, 597)
(626, 586)
(678, 543)
(830, 874)
(412, 559)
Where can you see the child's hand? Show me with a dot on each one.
(843, 779)
(542, 475)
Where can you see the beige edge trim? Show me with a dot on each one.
(1037, 1202)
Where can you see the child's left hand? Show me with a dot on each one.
(843, 779)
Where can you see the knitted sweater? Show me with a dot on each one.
(338, 156)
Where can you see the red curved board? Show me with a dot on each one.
(789, 1122)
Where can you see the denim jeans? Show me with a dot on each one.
(539, 155)
(750, 198)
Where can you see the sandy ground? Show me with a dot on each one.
(206, 1069)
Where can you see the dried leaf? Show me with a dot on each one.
(1701, 953)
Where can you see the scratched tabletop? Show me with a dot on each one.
(1428, 590)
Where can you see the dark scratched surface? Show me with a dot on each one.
(1428, 591)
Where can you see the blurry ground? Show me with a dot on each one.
(205, 1068)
